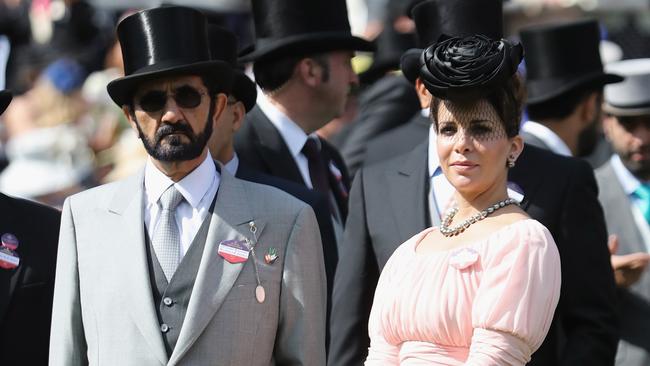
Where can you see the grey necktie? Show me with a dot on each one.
(167, 240)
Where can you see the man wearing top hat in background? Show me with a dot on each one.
(395, 199)
(223, 46)
(401, 139)
(564, 81)
(301, 61)
(625, 195)
(184, 264)
(28, 242)
(386, 100)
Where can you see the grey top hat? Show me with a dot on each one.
(631, 97)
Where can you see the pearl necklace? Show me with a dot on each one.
(447, 231)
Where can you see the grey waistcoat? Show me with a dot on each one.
(173, 298)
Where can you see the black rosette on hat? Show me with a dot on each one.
(469, 67)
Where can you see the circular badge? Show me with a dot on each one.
(9, 241)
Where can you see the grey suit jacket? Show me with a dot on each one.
(103, 308)
(634, 347)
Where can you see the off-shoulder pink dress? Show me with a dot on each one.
(488, 303)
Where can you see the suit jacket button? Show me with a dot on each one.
(168, 301)
(164, 328)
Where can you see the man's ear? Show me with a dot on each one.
(238, 114)
(130, 116)
(220, 102)
(423, 94)
(310, 72)
(608, 123)
(590, 107)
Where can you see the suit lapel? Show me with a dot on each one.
(339, 181)
(215, 277)
(274, 150)
(127, 206)
(619, 214)
(522, 176)
(407, 191)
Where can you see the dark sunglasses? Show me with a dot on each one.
(185, 97)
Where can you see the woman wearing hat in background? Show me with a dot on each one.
(482, 288)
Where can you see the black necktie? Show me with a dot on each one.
(317, 171)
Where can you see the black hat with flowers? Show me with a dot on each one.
(469, 67)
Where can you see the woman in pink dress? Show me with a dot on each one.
(482, 288)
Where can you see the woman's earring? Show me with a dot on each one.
(511, 162)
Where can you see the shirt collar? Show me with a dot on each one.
(550, 138)
(291, 133)
(433, 159)
(629, 182)
(232, 166)
(193, 186)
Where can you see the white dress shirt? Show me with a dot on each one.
(232, 166)
(550, 138)
(630, 184)
(291, 133)
(198, 189)
(440, 190)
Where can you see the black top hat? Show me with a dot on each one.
(169, 40)
(300, 27)
(223, 46)
(5, 99)
(390, 46)
(561, 57)
(454, 18)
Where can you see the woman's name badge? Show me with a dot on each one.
(234, 251)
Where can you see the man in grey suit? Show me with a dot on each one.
(184, 264)
(624, 194)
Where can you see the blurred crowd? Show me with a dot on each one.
(62, 133)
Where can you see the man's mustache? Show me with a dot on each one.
(170, 128)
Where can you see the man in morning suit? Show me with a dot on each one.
(301, 61)
(27, 288)
(223, 46)
(392, 201)
(387, 100)
(625, 196)
(564, 83)
(401, 140)
(184, 264)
